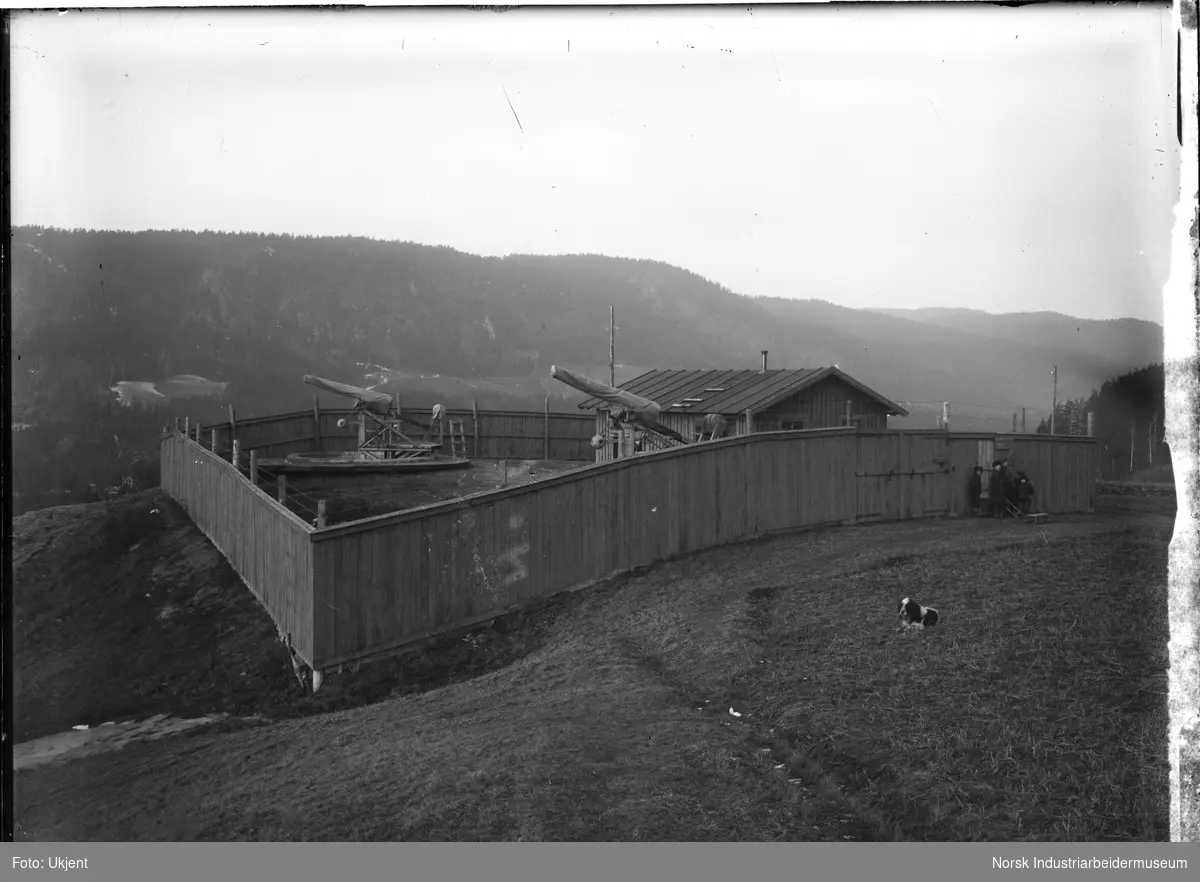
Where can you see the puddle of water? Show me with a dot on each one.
(106, 737)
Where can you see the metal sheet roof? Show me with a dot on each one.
(729, 391)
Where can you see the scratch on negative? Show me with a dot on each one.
(513, 109)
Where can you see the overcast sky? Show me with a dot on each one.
(1005, 159)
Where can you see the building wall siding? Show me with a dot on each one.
(823, 406)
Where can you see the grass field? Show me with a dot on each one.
(1034, 711)
(1163, 474)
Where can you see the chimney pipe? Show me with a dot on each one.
(764, 355)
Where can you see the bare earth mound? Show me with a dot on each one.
(124, 609)
(350, 497)
(747, 693)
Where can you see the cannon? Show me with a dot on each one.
(379, 432)
(629, 409)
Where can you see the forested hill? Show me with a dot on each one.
(257, 312)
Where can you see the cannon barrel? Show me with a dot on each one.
(639, 410)
(376, 402)
(642, 410)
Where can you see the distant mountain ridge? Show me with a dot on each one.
(258, 311)
(241, 307)
(1117, 340)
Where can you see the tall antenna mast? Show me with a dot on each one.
(612, 335)
(1054, 404)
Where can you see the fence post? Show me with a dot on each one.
(749, 421)
(254, 467)
(1022, 421)
(175, 425)
(235, 457)
(316, 424)
(213, 440)
(475, 424)
(187, 427)
(946, 415)
(1014, 424)
(546, 430)
(198, 432)
(320, 514)
(281, 488)
(1091, 430)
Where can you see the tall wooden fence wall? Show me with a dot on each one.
(390, 580)
(266, 544)
(494, 435)
(1063, 468)
(364, 587)
(905, 473)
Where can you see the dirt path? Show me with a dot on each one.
(84, 741)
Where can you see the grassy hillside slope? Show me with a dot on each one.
(756, 692)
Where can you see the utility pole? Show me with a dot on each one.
(612, 336)
(1150, 437)
(1054, 406)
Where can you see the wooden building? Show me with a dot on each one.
(750, 401)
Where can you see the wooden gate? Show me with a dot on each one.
(902, 476)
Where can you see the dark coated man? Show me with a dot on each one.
(975, 490)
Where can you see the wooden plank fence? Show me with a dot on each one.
(398, 578)
(266, 544)
(377, 584)
(921, 473)
(490, 434)
(1063, 468)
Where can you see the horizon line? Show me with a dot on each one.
(750, 296)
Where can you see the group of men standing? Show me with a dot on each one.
(1009, 491)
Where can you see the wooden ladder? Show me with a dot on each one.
(458, 439)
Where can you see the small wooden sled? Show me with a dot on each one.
(1040, 517)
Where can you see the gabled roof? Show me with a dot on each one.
(732, 392)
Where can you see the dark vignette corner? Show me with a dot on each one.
(7, 817)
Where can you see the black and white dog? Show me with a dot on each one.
(913, 615)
